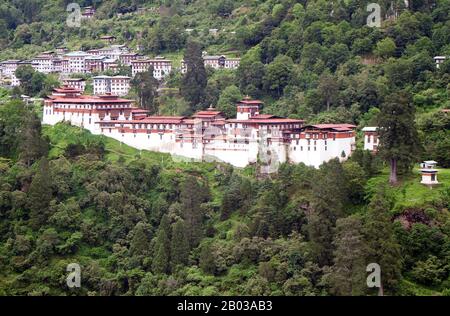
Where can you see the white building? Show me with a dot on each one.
(439, 60)
(161, 66)
(216, 62)
(94, 63)
(88, 12)
(8, 68)
(75, 83)
(44, 63)
(68, 104)
(74, 62)
(118, 85)
(371, 139)
(207, 135)
(126, 58)
(429, 172)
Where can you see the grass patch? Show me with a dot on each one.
(410, 192)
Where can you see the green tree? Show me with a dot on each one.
(140, 243)
(31, 81)
(25, 74)
(328, 88)
(399, 140)
(40, 195)
(194, 82)
(348, 272)
(145, 86)
(429, 272)
(206, 260)
(385, 48)
(161, 256)
(179, 245)
(330, 194)
(191, 197)
(278, 75)
(383, 247)
(31, 144)
(228, 100)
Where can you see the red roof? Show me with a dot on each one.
(67, 90)
(263, 116)
(267, 121)
(207, 114)
(337, 127)
(137, 110)
(87, 99)
(251, 102)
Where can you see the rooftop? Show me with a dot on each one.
(370, 129)
(336, 127)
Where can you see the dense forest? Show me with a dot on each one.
(140, 223)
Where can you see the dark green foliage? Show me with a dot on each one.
(145, 87)
(161, 257)
(399, 140)
(207, 262)
(194, 82)
(40, 195)
(383, 247)
(34, 83)
(192, 196)
(179, 248)
(348, 271)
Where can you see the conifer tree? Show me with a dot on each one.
(195, 80)
(399, 140)
(348, 275)
(161, 256)
(140, 244)
(145, 87)
(32, 146)
(207, 261)
(179, 245)
(40, 195)
(327, 204)
(383, 247)
(321, 224)
(192, 196)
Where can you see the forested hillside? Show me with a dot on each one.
(141, 224)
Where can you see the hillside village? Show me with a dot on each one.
(98, 61)
(225, 147)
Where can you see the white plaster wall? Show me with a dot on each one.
(370, 145)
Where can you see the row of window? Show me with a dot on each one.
(309, 148)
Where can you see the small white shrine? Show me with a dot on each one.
(429, 172)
